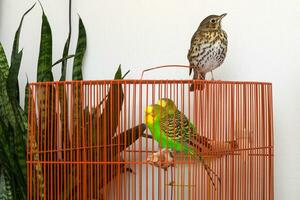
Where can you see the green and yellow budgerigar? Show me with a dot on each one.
(172, 129)
(169, 127)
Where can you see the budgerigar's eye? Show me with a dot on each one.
(213, 21)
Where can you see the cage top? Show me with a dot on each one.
(153, 81)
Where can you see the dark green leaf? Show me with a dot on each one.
(63, 60)
(4, 68)
(15, 49)
(15, 148)
(125, 74)
(26, 98)
(6, 110)
(12, 80)
(16, 57)
(66, 47)
(118, 74)
(44, 69)
(80, 51)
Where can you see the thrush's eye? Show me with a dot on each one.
(213, 21)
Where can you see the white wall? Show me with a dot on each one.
(264, 42)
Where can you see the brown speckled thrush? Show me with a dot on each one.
(208, 47)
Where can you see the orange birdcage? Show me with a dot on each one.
(89, 140)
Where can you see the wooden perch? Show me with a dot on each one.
(125, 139)
(129, 136)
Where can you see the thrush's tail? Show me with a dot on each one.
(197, 76)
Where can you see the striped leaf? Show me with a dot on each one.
(5, 186)
(32, 142)
(4, 68)
(80, 51)
(44, 71)
(62, 60)
(12, 79)
(15, 50)
(44, 68)
(6, 110)
(16, 57)
(62, 89)
(66, 47)
(44, 94)
(77, 74)
(26, 98)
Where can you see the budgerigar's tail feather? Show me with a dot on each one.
(210, 172)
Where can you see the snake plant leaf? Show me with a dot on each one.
(80, 51)
(6, 109)
(4, 68)
(67, 46)
(9, 121)
(26, 97)
(16, 57)
(118, 74)
(77, 75)
(12, 79)
(44, 68)
(5, 186)
(112, 108)
(62, 60)
(15, 49)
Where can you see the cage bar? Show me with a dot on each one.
(90, 140)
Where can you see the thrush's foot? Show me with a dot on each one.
(171, 183)
(212, 76)
(128, 169)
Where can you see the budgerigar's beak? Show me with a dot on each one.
(223, 15)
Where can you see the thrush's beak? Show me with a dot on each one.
(223, 15)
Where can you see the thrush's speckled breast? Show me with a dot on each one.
(208, 47)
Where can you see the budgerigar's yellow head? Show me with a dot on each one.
(167, 104)
(152, 112)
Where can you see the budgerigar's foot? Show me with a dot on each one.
(162, 159)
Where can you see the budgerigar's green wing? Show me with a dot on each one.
(178, 128)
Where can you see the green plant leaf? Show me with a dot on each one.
(5, 188)
(12, 79)
(26, 97)
(118, 74)
(80, 51)
(6, 110)
(4, 69)
(15, 49)
(44, 69)
(16, 57)
(13, 138)
(63, 60)
(66, 47)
